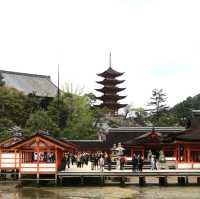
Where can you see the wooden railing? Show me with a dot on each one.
(9, 160)
(12, 161)
(43, 168)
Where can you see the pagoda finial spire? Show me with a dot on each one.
(110, 60)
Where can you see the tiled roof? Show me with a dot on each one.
(90, 144)
(40, 85)
(10, 141)
(147, 129)
(59, 143)
(188, 135)
(125, 134)
(110, 72)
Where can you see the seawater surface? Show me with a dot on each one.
(108, 192)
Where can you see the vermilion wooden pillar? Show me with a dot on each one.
(15, 160)
(178, 153)
(185, 158)
(175, 153)
(0, 160)
(56, 158)
(143, 152)
(131, 151)
(189, 157)
(38, 159)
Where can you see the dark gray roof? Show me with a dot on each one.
(90, 144)
(147, 129)
(125, 134)
(188, 135)
(40, 85)
(94, 141)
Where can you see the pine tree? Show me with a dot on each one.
(157, 104)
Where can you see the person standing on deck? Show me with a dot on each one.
(78, 161)
(92, 160)
(71, 155)
(101, 163)
(82, 160)
(96, 161)
(149, 155)
(63, 163)
(109, 162)
(134, 162)
(122, 162)
(118, 163)
(153, 162)
(140, 163)
(67, 160)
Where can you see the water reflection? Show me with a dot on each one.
(131, 192)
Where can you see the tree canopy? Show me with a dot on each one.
(40, 121)
(13, 105)
(157, 105)
(74, 115)
(2, 83)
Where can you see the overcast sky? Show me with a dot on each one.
(155, 42)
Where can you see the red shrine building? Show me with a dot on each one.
(37, 155)
(41, 154)
(180, 146)
(110, 90)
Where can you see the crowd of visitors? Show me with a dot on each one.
(137, 162)
(43, 157)
(100, 160)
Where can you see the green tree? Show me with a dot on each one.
(141, 116)
(158, 105)
(12, 105)
(127, 110)
(183, 110)
(167, 119)
(80, 121)
(74, 115)
(59, 111)
(5, 125)
(40, 121)
(91, 99)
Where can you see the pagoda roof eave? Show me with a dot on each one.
(117, 97)
(110, 72)
(115, 106)
(115, 89)
(110, 81)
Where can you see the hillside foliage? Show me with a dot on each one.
(75, 116)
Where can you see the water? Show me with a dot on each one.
(109, 192)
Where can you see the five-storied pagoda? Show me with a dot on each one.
(110, 90)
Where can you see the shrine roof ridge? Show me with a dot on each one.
(146, 129)
(25, 74)
(86, 140)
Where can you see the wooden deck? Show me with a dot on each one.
(119, 173)
(161, 177)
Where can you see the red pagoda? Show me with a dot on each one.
(110, 97)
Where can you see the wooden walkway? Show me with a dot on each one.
(126, 173)
(126, 176)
